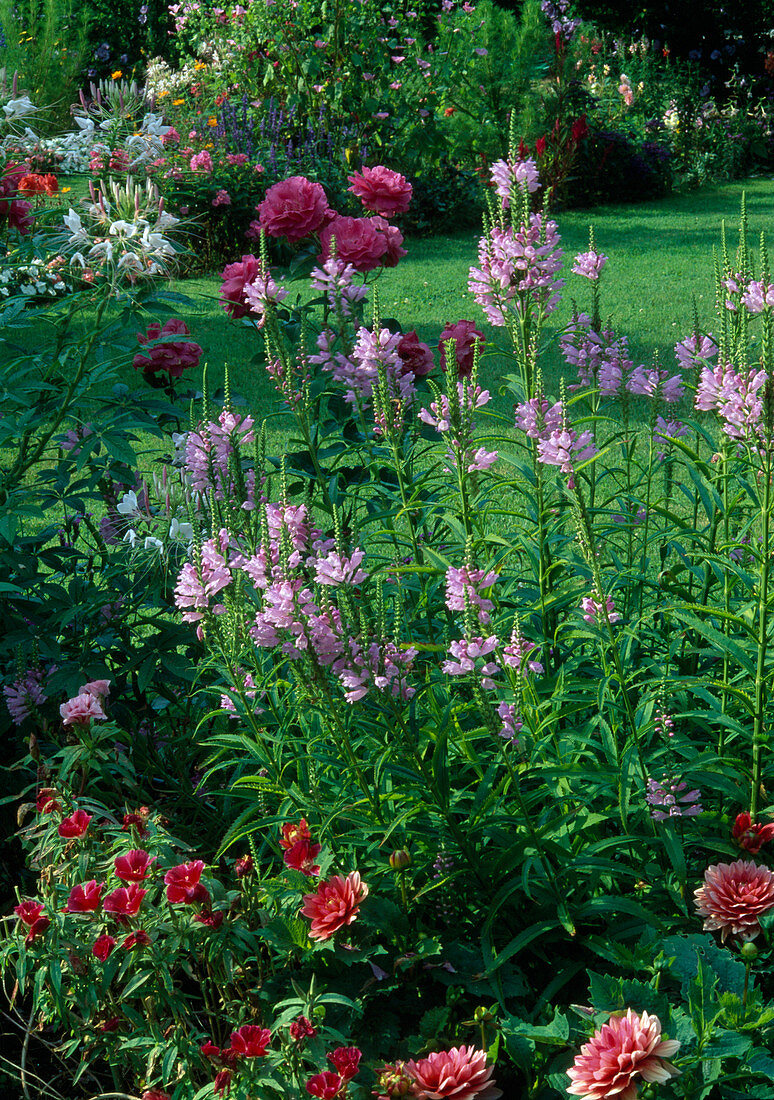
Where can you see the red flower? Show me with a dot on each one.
(140, 938)
(467, 338)
(37, 928)
(414, 355)
(382, 190)
(244, 866)
(209, 1050)
(223, 1083)
(46, 803)
(85, 898)
(293, 208)
(540, 147)
(358, 242)
(235, 278)
(28, 911)
(326, 1085)
(103, 947)
(171, 358)
(75, 825)
(133, 866)
(112, 1023)
(301, 857)
(335, 904)
(250, 1041)
(125, 901)
(580, 129)
(461, 1073)
(291, 833)
(155, 1094)
(751, 836)
(183, 886)
(210, 919)
(734, 896)
(301, 1028)
(346, 1061)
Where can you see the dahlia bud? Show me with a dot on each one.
(748, 951)
(400, 859)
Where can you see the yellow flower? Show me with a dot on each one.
(161, 94)
(117, 74)
(177, 102)
(200, 65)
(212, 121)
(65, 189)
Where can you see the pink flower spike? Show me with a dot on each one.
(589, 265)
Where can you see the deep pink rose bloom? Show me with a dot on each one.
(46, 803)
(625, 1048)
(751, 835)
(325, 1085)
(358, 242)
(302, 1028)
(133, 866)
(103, 947)
(734, 896)
(466, 336)
(293, 208)
(394, 239)
(346, 1061)
(235, 278)
(461, 1073)
(250, 1041)
(382, 190)
(172, 358)
(183, 886)
(85, 898)
(335, 904)
(415, 356)
(80, 710)
(125, 901)
(75, 825)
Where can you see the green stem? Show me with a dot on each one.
(763, 624)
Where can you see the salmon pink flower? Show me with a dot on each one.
(182, 882)
(325, 1085)
(623, 1049)
(75, 825)
(461, 1073)
(751, 836)
(346, 1061)
(734, 896)
(335, 904)
(102, 947)
(85, 898)
(125, 901)
(133, 866)
(250, 1041)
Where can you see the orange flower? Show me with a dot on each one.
(117, 74)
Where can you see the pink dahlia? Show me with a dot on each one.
(382, 190)
(335, 904)
(624, 1048)
(293, 208)
(734, 896)
(461, 1073)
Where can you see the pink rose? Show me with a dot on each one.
(466, 337)
(172, 358)
(415, 356)
(382, 190)
(80, 710)
(358, 242)
(293, 208)
(235, 278)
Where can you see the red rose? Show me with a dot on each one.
(751, 836)
(466, 337)
(415, 356)
(102, 947)
(250, 1041)
(235, 278)
(346, 1061)
(293, 208)
(394, 239)
(291, 833)
(172, 358)
(358, 242)
(382, 190)
(325, 1085)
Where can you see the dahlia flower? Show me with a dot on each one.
(734, 896)
(623, 1049)
(461, 1073)
(334, 905)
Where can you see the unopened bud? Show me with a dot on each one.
(748, 951)
(400, 859)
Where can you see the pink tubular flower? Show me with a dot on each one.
(467, 340)
(671, 798)
(518, 270)
(235, 278)
(80, 710)
(564, 448)
(335, 280)
(24, 695)
(748, 835)
(734, 896)
(509, 174)
(538, 418)
(592, 609)
(170, 358)
(382, 190)
(589, 265)
(469, 655)
(758, 296)
(326, 1085)
(461, 1073)
(293, 208)
(75, 825)
(463, 587)
(335, 904)
(85, 898)
(196, 587)
(133, 866)
(182, 882)
(261, 293)
(346, 1061)
(125, 901)
(623, 1049)
(102, 947)
(692, 349)
(250, 1041)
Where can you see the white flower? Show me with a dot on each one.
(128, 505)
(18, 108)
(152, 543)
(129, 228)
(85, 123)
(73, 222)
(181, 531)
(131, 537)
